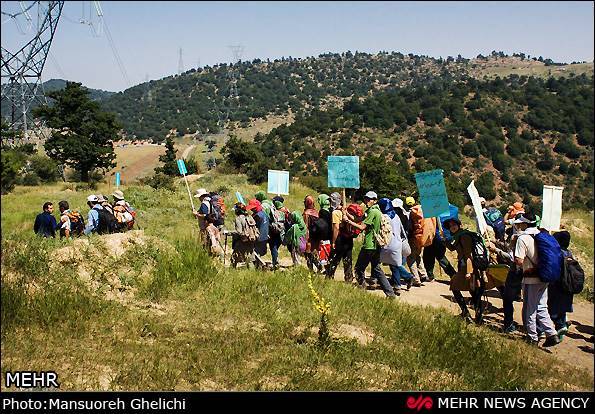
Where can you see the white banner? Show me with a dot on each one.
(552, 207)
(481, 221)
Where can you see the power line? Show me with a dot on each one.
(116, 54)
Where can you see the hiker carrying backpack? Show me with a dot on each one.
(277, 222)
(480, 257)
(550, 258)
(385, 233)
(495, 220)
(217, 209)
(107, 222)
(346, 229)
(125, 216)
(77, 223)
(249, 232)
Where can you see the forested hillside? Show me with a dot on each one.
(512, 135)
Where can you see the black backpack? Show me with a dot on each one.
(108, 223)
(479, 255)
(318, 228)
(573, 276)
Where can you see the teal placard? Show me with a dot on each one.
(240, 198)
(117, 179)
(432, 193)
(343, 171)
(182, 167)
(278, 182)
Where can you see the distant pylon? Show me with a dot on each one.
(180, 64)
(233, 74)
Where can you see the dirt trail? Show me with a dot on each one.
(576, 348)
(187, 151)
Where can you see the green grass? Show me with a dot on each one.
(196, 325)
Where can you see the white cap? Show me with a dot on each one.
(200, 192)
(371, 195)
(482, 200)
(397, 203)
(93, 198)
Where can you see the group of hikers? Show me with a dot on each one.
(103, 217)
(396, 233)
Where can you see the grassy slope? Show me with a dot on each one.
(223, 329)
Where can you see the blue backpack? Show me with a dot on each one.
(495, 220)
(551, 259)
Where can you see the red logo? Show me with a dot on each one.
(419, 403)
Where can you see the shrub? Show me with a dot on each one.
(31, 179)
(159, 180)
(44, 167)
(485, 186)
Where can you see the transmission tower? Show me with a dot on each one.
(233, 75)
(21, 70)
(180, 64)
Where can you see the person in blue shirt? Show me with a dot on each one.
(93, 217)
(45, 223)
(262, 222)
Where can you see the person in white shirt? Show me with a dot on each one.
(535, 310)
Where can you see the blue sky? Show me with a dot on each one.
(149, 34)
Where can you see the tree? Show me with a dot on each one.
(83, 133)
(170, 165)
(485, 185)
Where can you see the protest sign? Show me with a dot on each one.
(481, 221)
(117, 179)
(182, 167)
(240, 198)
(552, 207)
(183, 172)
(343, 171)
(278, 182)
(432, 193)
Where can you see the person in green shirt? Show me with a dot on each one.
(370, 252)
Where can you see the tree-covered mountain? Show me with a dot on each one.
(53, 85)
(511, 135)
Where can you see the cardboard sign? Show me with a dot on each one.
(343, 172)
(481, 221)
(552, 207)
(240, 198)
(278, 182)
(432, 193)
(117, 179)
(182, 167)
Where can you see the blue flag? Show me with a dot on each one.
(182, 167)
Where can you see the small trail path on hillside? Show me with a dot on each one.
(187, 151)
(576, 349)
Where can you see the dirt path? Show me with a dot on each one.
(187, 151)
(576, 349)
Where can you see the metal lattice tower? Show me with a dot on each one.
(180, 64)
(233, 74)
(21, 70)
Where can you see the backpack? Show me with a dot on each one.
(495, 220)
(573, 276)
(107, 222)
(357, 212)
(479, 254)
(385, 234)
(124, 216)
(317, 227)
(277, 222)
(77, 223)
(250, 231)
(551, 259)
(218, 209)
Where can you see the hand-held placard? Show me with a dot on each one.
(343, 172)
(432, 193)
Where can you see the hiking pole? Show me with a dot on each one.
(225, 248)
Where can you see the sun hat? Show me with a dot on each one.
(371, 195)
(118, 194)
(520, 218)
(200, 192)
(410, 201)
(397, 203)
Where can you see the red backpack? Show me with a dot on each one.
(358, 213)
